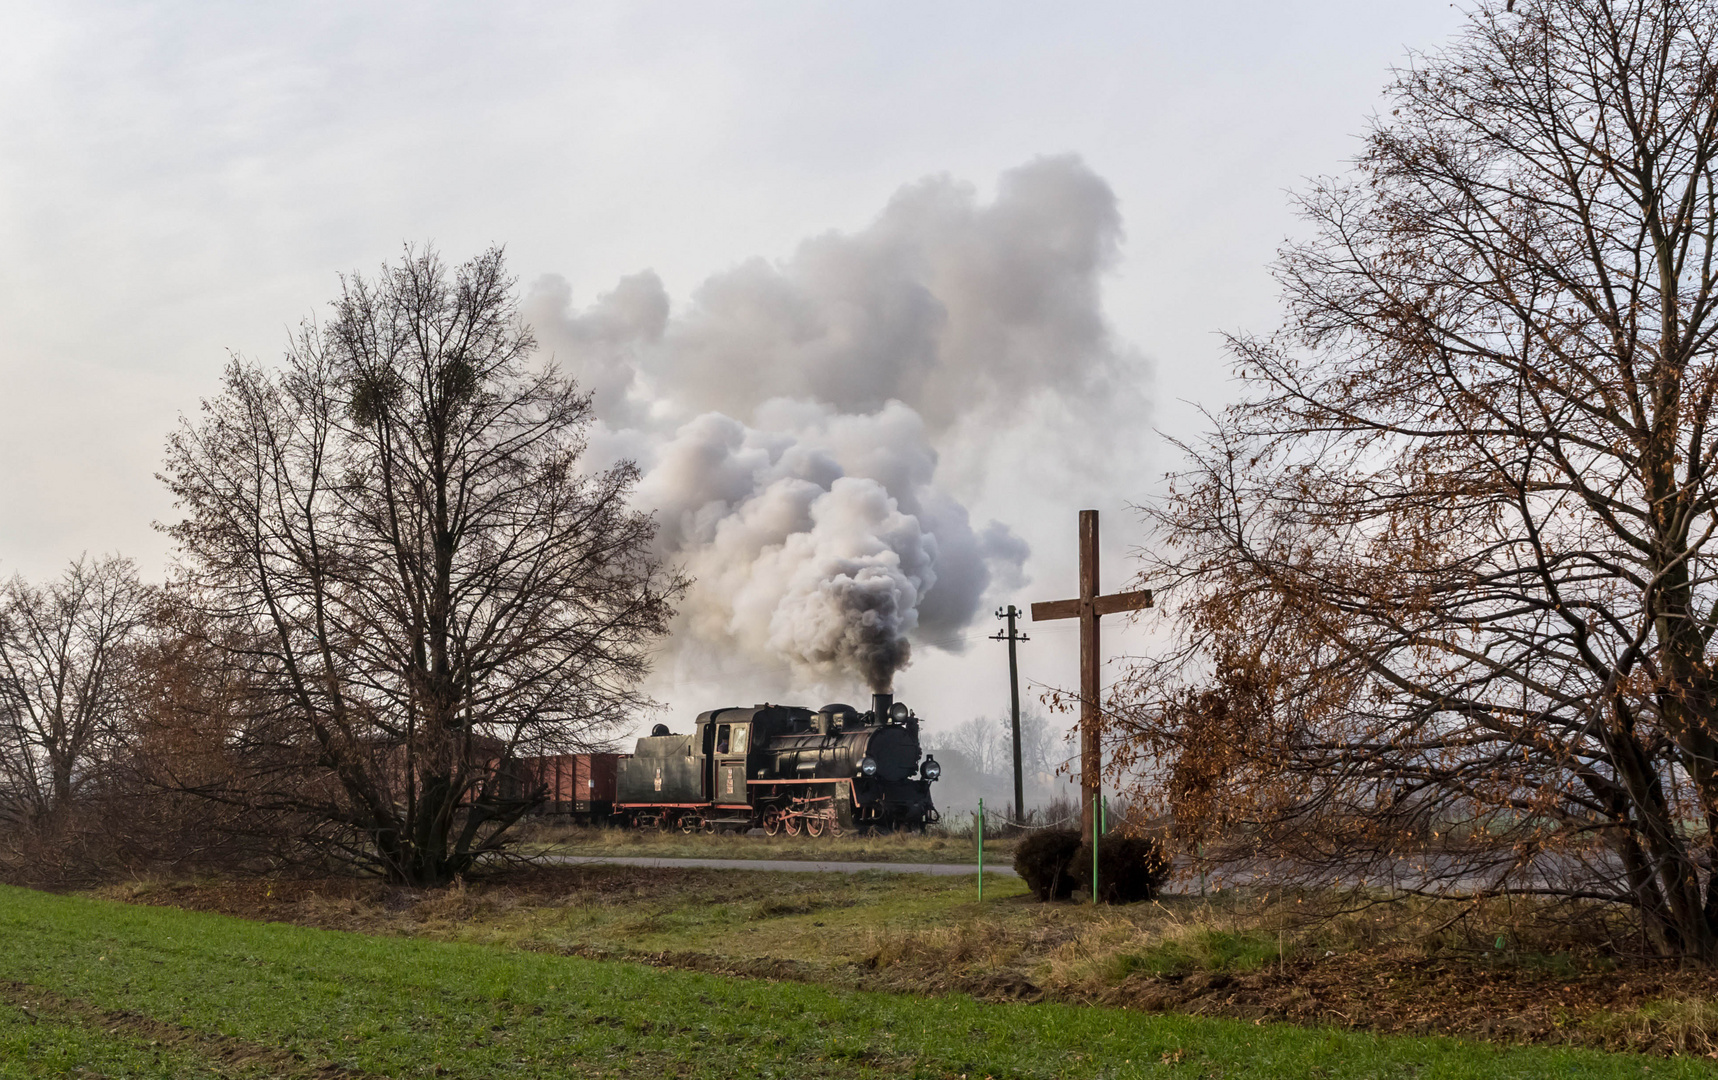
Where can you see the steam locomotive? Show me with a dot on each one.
(783, 769)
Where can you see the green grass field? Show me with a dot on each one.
(124, 991)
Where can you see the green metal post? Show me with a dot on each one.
(981, 850)
(1097, 830)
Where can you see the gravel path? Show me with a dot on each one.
(800, 865)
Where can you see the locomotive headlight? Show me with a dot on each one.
(899, 713)
(868, 767)
(930, 770)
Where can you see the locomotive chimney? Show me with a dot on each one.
(880, 704)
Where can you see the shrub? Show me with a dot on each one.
(1130, 868)
(1043, 861)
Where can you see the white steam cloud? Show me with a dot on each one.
(789, 420)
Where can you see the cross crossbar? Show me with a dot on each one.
(1113, 604)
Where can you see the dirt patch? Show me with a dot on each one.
(1407, 995)
(223, 1050)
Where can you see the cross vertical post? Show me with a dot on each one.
(1091, 752)
(1088, 607)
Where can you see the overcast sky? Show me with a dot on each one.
(181, 180)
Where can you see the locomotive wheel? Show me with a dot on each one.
(709, 826)
(772, 822)
(790, 822)
(814, 825)
(834, 824)
(688, 823)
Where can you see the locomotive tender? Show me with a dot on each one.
(784, 769)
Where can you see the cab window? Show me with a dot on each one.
(722, 733)
(739, 739)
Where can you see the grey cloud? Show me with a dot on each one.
(947, 304)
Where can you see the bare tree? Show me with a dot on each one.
(979, 744)
(1447, 570)
(64, 692)
(394, 542)
(977, 756)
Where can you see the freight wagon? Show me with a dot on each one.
(577, 787)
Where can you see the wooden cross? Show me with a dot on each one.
(1087, 608)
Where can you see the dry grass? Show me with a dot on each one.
(1682, 1024)
(551, 839)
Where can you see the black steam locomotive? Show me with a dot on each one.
(783, 769)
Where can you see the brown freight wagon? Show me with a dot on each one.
(581, 786)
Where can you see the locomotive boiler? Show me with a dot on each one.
(783, 769)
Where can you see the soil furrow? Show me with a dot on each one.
(36, 1002)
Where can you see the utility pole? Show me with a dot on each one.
(1011, 613)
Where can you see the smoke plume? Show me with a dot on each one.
(789, 420)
